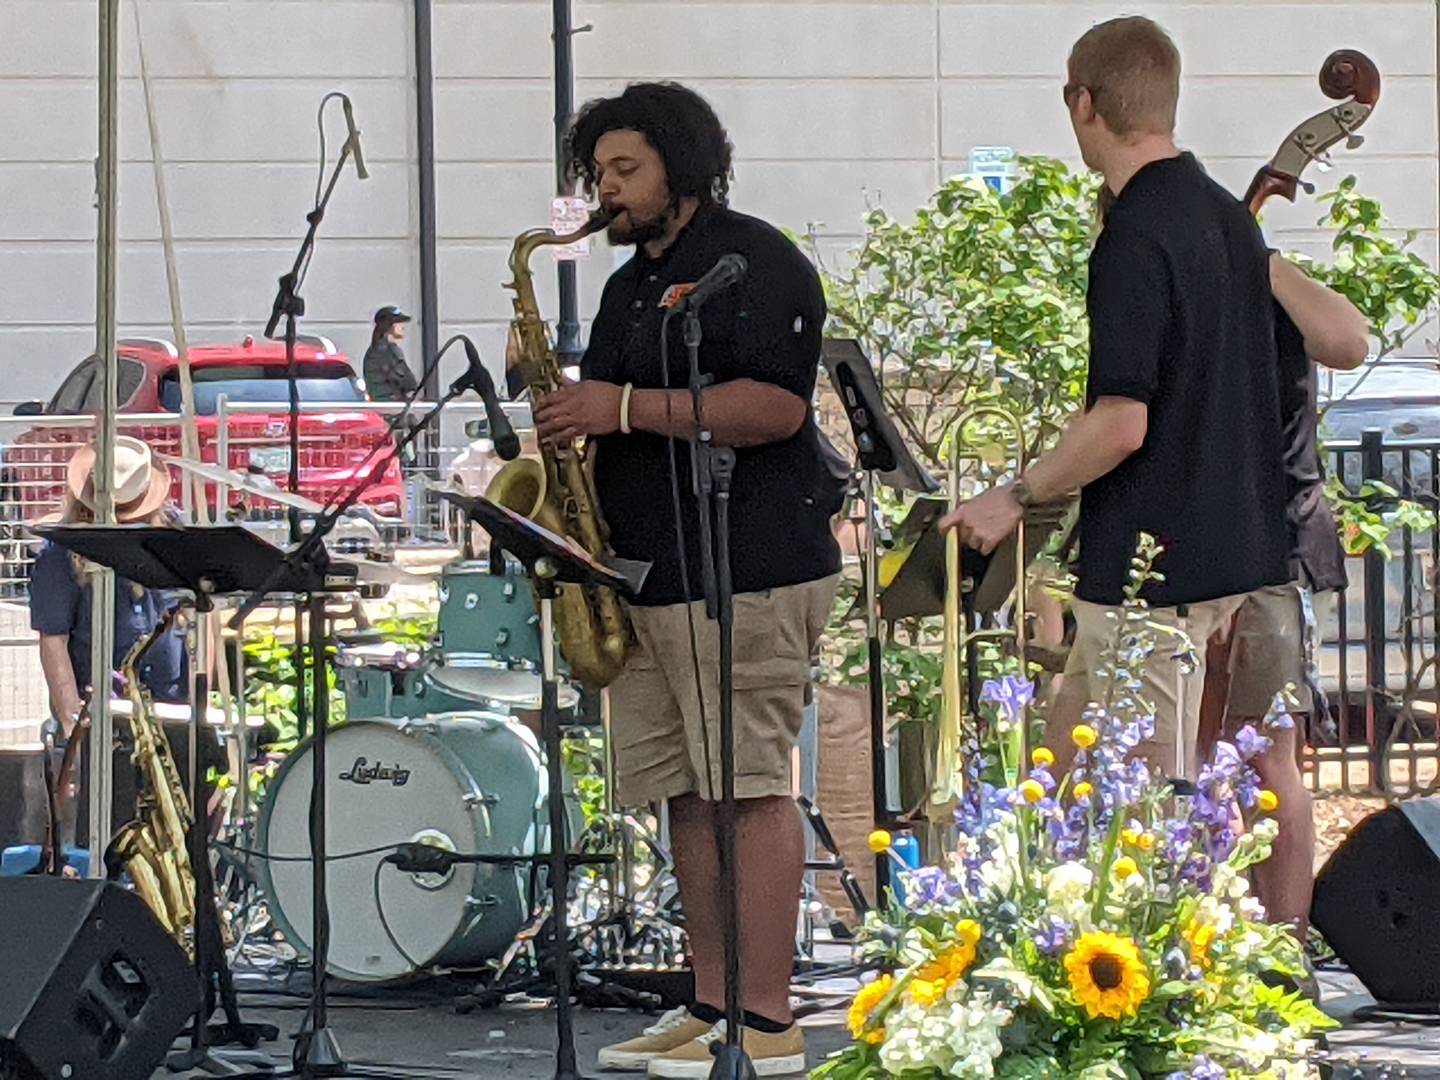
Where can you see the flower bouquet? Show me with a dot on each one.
(1092, 924)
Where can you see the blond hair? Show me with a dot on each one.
(1132, 70)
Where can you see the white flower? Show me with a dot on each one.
(1067, 893)
(1266, 829)
(957, 1037)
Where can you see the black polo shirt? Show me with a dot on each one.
(1181, 318)
(768, 328)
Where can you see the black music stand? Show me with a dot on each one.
(885, 459)
(205, 561)
(551, 561)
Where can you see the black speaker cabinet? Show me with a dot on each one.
(93, 988)
(1377, 901)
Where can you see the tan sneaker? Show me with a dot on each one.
(676, 1028)
(772, 1055)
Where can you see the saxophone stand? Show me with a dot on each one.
(550, 561)
(883, 459)
(194, 559)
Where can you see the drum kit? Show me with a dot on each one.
(440, 747)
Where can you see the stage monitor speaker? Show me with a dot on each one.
(1377, 901)
(93, 988)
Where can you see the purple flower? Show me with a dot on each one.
(1202, 1068)
(1251, 743)
(929, 886)
(1010, 694)
(1050, 937)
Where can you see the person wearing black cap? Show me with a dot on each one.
(387, 376)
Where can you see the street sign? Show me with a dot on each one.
(996, 165)
(568, 213)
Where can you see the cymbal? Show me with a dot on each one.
(380, 572)
(258, 485)
(167, 711)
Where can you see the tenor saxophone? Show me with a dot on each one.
(557, 490)
(154, 847)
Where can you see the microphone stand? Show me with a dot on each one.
(290, 306)
(319, 1054)
(712, 468)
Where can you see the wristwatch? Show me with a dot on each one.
(1020, 492)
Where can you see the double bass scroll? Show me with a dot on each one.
(1348, 76)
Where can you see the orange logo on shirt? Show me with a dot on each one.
(674, 294)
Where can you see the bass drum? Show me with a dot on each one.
(468, 782)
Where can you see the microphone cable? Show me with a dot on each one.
(677, 509)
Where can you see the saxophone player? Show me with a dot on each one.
(659, 161)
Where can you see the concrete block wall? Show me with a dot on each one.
(831, 104)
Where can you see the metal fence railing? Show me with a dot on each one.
(1378, 653)
(1379, 647)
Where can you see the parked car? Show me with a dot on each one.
(332, 443)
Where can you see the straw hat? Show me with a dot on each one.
(141, 484)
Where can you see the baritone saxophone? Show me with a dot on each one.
(557, 490)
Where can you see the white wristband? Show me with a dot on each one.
(625, 408)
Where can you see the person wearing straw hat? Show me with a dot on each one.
(60, 610)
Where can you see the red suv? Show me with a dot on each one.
(332, 443)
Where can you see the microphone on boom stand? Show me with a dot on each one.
(354, 139)
(727, 271)
(477, 377)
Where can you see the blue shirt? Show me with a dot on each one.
(60, 604)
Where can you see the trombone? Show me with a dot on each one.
(958, 668)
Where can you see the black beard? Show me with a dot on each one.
(633, 231)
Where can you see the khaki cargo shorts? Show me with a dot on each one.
(1165, 684)
(1269, 649)
(655, 711)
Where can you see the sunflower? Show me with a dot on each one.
(1107, 975)
(864, 1004)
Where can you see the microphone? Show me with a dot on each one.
(354, 140)
(727, 271)
(477, 378)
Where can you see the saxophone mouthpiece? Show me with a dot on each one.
(599, 219)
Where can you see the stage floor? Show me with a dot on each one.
(516, 1042)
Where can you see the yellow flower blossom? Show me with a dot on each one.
(932, 980)
(879, 841)
(1083, 789)
(864, 1004)
(1032, 791)
(1042, 757)
(1084, 736)
(1107, 975)
(1124, 867)
(1267, 801)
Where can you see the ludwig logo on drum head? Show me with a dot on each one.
(363, 773)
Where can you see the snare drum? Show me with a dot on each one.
(471, 783)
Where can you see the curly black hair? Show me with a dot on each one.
(676, 121)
